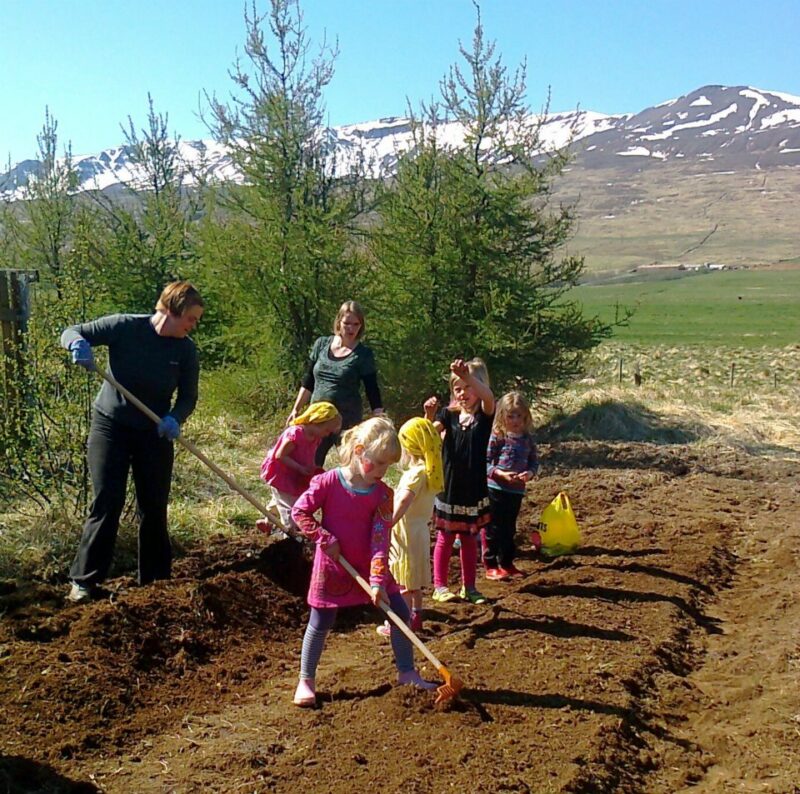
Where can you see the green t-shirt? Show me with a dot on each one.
(338, 380)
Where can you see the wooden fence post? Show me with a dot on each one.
(14, 312)
(620, 371)
(733, 371)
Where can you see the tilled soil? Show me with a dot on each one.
(663, 655)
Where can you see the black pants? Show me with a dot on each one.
(112, 451)
(500, 550)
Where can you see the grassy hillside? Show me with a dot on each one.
(742, 308)
(665, 212)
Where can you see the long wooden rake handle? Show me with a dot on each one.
(274, 518)
(393, 616)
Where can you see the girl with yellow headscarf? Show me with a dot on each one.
(289, 464)
(410, 551)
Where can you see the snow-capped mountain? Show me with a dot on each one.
(382, 141)
(739, 127)
(731, 127)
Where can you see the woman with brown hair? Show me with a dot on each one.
(153, 357)
(337, 366)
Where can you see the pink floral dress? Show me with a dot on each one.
(360, 520)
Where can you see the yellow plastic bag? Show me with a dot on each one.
(558, 530)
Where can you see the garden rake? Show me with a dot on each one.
(444, 693)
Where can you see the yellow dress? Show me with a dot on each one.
(410, 551)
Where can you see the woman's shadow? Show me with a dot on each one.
(20, 775)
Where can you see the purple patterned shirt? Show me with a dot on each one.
(511, 453)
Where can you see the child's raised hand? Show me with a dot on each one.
(459, 368)
(429, 407)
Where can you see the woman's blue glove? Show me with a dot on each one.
(82, 354)
(169, 428)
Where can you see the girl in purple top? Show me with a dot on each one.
(511, 461)
(356, 509)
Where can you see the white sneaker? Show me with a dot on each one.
(413, 678)
(305, 694)
(79, 593)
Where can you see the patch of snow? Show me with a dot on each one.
(636, 151)
(788, 151)
(790, 98)
(712, 119)
(700, 101)
(759, 101)
(781, 117)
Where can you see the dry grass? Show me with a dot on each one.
(686, 395)
(629, 217)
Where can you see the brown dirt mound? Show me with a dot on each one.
(585, 676)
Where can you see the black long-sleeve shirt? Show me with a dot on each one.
(152, 367)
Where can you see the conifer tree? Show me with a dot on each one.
(42, 449)
(469, 247)
(145, 240)
(280, 239)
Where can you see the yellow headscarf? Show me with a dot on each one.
(418, 436)
(316, 414)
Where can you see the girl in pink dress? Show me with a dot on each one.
(356, 522)
(289, 465)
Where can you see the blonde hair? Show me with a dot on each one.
(507, 403)
(177, 297)
(477, 368)
(408, 459)
(378, 437)
(350, 307)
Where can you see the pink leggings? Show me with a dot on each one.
(441, 558)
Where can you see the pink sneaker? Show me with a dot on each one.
(305, 696)
(385, 630)
(416, 621)
(512, 571)
(413, 678)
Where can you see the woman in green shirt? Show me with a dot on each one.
(337, 366)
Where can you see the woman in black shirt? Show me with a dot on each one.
(153, 357)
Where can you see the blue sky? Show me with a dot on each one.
(93, 62)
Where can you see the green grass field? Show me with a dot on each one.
(740, 308)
